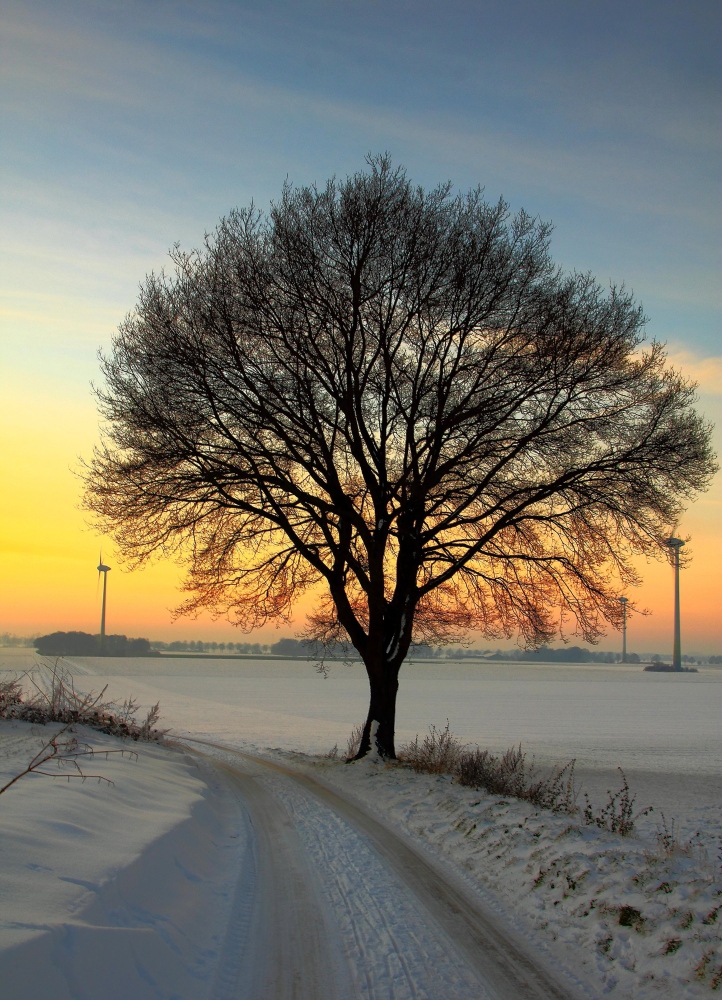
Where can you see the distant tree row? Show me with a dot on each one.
(8, 639)
(312, 649)
(198, 646)
(84, 644)
(424, 651)
(569, 654)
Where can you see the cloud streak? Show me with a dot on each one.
(706, 372)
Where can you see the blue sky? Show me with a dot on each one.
(128, 126)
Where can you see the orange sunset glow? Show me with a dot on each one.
(48, 550)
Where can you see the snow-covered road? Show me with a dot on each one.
(207, 873)
(279, 942)
(347, 907)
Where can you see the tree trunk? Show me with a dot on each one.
(384, 685)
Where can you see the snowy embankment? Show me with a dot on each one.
(130, 889)
(637, 916)
(108, 891)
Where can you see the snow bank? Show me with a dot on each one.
(110, 890)
(631, 917)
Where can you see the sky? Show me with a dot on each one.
(129, 126)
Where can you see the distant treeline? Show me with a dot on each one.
(284, 647)
(314, 650)
(423, 651)
(248, 648)
(568, 654)
(84, 644)
(8, 639)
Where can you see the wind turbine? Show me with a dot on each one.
(675, 544)
(623, 601)
(102, 568)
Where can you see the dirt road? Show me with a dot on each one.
(343, 906)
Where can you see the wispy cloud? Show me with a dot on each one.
(706, 372)
(172, 101)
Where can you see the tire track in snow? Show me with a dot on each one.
(279, 948)
(499, 959)
(395, 951)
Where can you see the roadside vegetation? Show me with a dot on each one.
(638, 902)
(49, 696)
(511, 774)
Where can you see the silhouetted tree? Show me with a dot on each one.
(394, 394)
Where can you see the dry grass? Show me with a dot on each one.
(354, 741)
(441, 752)
(50, 696)
(438, 753)
(352, 746)
(510, 774)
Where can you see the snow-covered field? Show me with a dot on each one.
(662, 729)
(109, 889)
(133, 884)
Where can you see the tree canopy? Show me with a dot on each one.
(394, 396)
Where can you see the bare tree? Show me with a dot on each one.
(393, 394)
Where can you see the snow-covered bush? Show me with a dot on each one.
(510, 774)
(50, 696)
(438, 753)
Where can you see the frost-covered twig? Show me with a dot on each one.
(65, 753)
(618, 814)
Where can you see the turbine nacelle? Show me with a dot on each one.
(674, 543)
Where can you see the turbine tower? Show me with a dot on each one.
(675, 544)
(102, 568)
(623, 601)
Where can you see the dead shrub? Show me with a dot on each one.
(10, 696)
(51, 697)
(618, 814)
(510, 774)
(438, 753)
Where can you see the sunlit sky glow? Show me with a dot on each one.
(128, 126)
